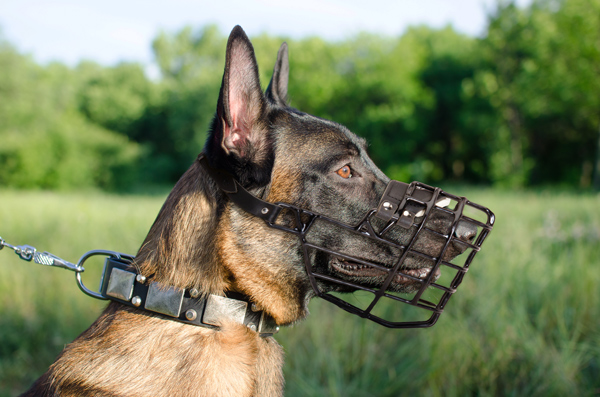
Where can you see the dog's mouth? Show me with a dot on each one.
(405, 280)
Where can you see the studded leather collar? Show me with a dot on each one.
(121, 283)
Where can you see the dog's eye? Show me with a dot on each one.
(345, 172)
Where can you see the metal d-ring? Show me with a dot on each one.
(85, 257)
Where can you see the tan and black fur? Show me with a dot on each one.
(201, 240)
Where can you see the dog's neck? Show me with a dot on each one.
(192, 245)
(183, 237)
(164, 357)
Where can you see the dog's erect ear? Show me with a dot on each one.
(240, 130)
(277, 90)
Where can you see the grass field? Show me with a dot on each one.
(525, 322)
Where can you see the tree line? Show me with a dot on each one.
(518, 107)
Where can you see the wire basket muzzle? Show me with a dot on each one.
(402, 262)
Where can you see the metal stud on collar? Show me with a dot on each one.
(191, 314)
(188, 306)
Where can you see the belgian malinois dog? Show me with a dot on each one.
(204, 243)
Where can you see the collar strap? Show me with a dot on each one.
(240, 196)
(122, 284)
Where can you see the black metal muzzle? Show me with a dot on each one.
(403, 260)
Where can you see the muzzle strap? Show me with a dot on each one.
(240, 196)
(402, 196)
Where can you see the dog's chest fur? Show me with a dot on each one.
(172, 360)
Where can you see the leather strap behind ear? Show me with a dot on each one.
(240, 196)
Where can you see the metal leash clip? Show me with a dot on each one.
(29, 254)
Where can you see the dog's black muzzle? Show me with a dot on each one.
(414, 248)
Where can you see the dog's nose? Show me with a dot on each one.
(465, 231)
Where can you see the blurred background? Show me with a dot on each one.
(104, 105)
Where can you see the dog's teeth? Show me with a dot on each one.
(352, 266)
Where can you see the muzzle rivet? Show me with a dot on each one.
(136, 301)
(140, 279)
(254, 308)
(387, 206)
(264, 211)
(252, 326)
(194, 293)
(191, 314)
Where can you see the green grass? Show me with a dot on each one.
(525, 322)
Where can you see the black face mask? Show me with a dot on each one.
(402, 261)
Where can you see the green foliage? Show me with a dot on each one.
(191, 65)
(453, 148)
(515, 108)
(45, 142)
(115, 98)
(541, 78)
(524, 322)
(69, 152)
(384, 101)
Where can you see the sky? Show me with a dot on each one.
(110, 31)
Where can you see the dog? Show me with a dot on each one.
(202, 242)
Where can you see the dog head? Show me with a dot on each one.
(282, 155)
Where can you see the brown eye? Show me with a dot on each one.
(345, 172)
